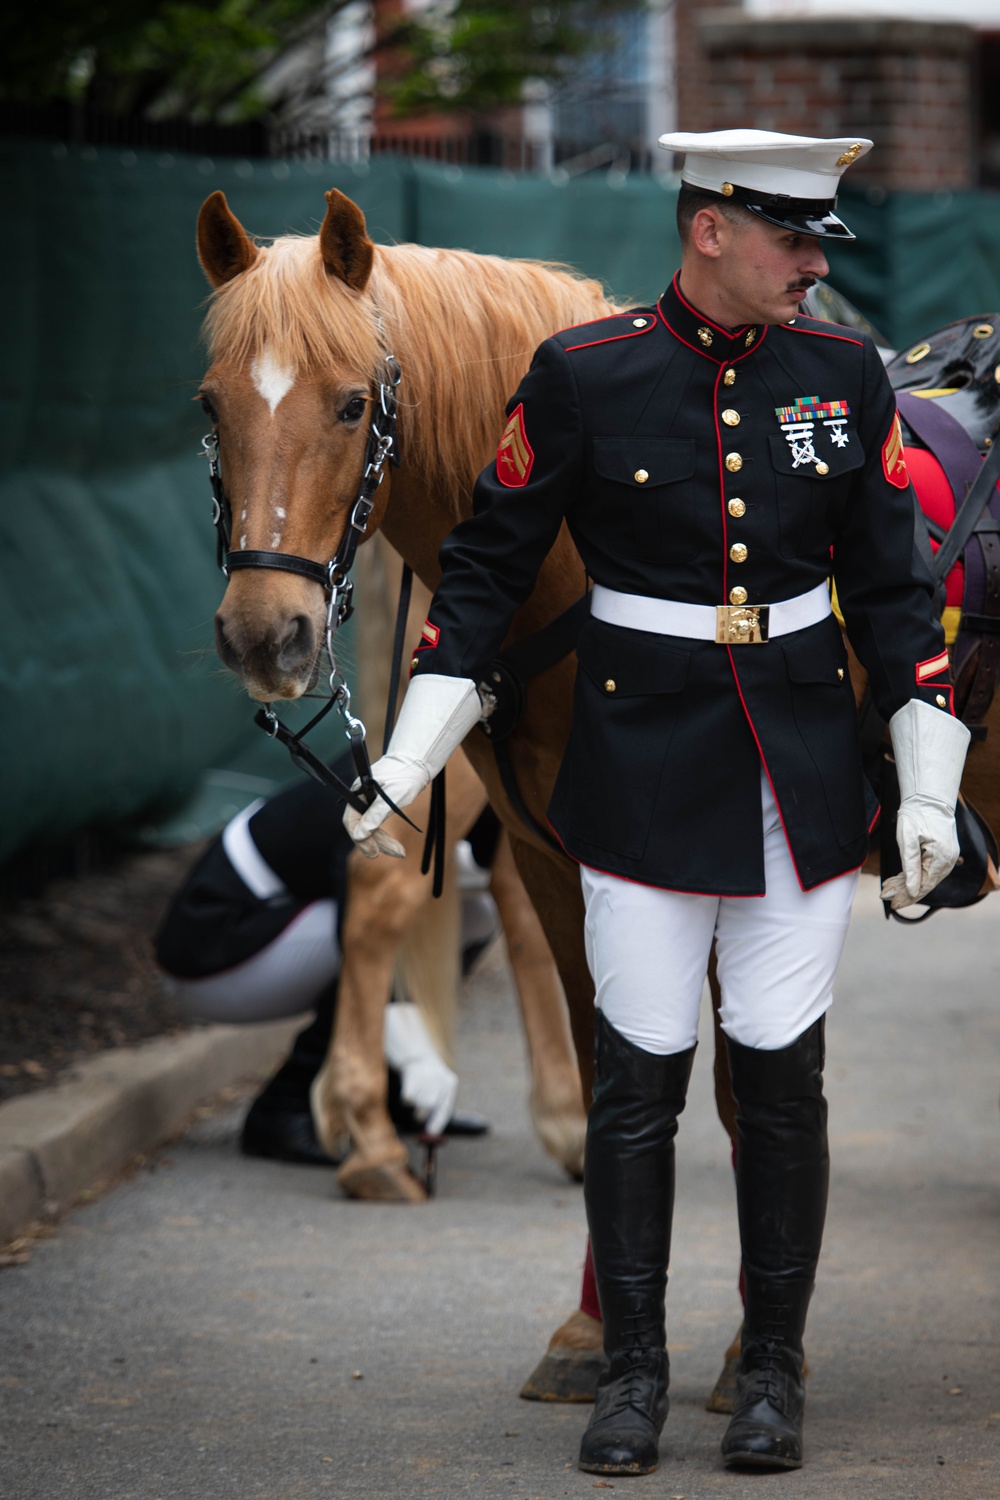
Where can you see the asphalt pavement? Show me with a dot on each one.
(223, 1329)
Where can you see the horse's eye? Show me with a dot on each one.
(209, 410)
(354, 410)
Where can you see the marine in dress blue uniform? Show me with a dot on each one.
(713, 471)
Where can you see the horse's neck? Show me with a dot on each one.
(416, 523)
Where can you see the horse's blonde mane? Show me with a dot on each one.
(462, 326)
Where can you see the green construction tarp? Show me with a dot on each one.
(113, 702)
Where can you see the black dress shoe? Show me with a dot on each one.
(283, 1134)
(766, 1428)
(403, 1118)
(623, 1434)
(461, 1123)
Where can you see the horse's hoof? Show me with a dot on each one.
(724, 1390)
(721, 1399)
(572, 1364)
(379, 1181)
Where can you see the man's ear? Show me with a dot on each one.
(705, 232)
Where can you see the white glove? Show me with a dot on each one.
(436, 715)
(428, 1084)
(929, 749)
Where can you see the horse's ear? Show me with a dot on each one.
(224, 247)
(347, 251)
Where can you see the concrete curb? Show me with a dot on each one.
(58, 1142)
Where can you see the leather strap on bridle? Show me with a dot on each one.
(334, 578)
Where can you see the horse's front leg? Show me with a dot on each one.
(384, 897)
(381, 934)
(556, 1100)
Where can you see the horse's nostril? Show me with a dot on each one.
(224, 647)
(296, 646)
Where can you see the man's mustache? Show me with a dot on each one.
(802, 286)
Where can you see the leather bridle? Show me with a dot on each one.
(334, 579)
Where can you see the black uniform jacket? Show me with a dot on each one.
(690, 461)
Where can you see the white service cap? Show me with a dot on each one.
(789, 180)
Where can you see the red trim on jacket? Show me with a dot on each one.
(932, 667)
(816, 334)
(633, 333)
(767, 773)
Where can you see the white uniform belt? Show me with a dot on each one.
(728, 624)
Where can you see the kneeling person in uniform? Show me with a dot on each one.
(253, 935)
(710, 455)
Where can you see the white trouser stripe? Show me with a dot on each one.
(698, 621)
(246, 859)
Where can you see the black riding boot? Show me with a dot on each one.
(629, 1189)
(782, 1174)
(279, 1122)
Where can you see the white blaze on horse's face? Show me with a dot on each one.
(271, 380)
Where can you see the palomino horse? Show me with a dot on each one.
(298, 331)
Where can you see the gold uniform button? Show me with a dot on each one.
(736, 508)
(941, 701)
(639, 322)
(822, 468)
(734, 463)
(610, 685)
(738, 552)
(840, 674)
(730, 377)
(730, 417)
(640, 476)
(413, 663)
(737, 595)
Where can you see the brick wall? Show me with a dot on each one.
(906, 85)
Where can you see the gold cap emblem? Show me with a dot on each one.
(738, 595)
(738, 552)
(640, 476)
(734, 463)
(729, 378)
(726, 190)
(851, 154)
(705, 334)
(730, 417)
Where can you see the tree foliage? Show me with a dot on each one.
(206, 60)
(475, 54)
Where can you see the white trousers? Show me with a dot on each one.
(648, 952)
(281, 980)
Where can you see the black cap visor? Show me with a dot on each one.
(824, 225)
(814, 216)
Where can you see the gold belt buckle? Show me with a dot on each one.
(741, 624)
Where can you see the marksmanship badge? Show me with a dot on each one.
(799, 421)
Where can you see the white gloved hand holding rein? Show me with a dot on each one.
(436, 715)
(427, 1083)
(929, 748)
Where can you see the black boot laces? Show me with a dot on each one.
(635, 1387)
(766, 1377)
